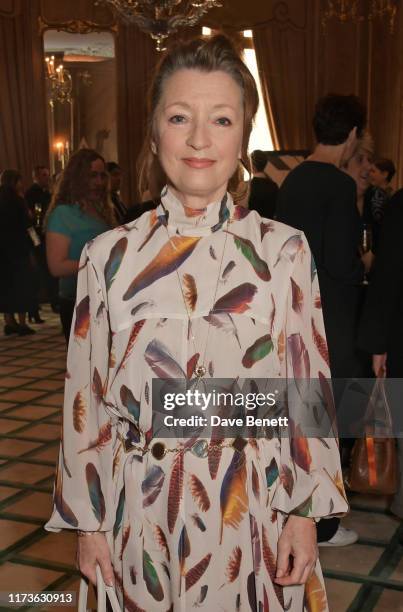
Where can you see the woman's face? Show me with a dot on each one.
(98, 181)
(377, 177)
(358, 168)
(198, 132)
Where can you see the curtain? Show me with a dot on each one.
(23, 127)
(281, 56)
(135, 61)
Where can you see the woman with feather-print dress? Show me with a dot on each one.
(188, 531)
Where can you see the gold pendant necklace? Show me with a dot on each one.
(200, 369)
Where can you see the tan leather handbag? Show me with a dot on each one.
(373, 466)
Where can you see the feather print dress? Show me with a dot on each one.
(186, 531)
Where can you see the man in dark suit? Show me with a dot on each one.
(318, 198)
(381, 326)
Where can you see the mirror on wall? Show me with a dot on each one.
(81, 93)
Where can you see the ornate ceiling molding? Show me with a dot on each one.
(75, 26)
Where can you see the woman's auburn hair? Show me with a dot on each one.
(72, 185)
(216, 53)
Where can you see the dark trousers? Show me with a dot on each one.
(66, 316)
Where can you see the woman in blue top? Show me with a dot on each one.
(80, 210)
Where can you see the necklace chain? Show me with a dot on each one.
(200, 368)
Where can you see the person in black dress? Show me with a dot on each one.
(263, 191)
(318, 198)
(16, 269)
(38, 198)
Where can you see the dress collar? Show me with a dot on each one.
(187, 221)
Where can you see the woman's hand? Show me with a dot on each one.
(93, 550)
(297, 540)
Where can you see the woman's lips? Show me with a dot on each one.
(198, 162)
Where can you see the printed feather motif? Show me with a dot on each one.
(104, 437)
(137, 308)
(156, 223)
(271, 473)
(190, 291)
(161, 361)
(224, 322)
(299, 447)
(297, 297)
(328, 399)
(175, 492)
(320, 343)
(151, 578)
(287, 479)
(233, 496)
(236, 300)
(251, 588)
(212, 253)
(114, 261)
(125, 539)
(240, 212)
(130, 403)
(315, 595)
(214, 453)
(194, 574)
(82, 321)
(259, 349)
(227, 270)
(234, 564)
(62, 507)
(170, 257)
(130, 344)
(183, 550)
(191, 365)
(290, 248)
(202, 596)
(257, 553)
(265, 228)
(199, 493)
(248, 250)
(97, 387)
(281, 346)
(152, 485)
(198, 522)
(318, 301)
(119, 513)
(95, 492)
(255, 482)
(305, 507)
(79, 412)
(270, 563)
(162, 541)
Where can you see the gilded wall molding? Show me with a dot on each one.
(75, 26)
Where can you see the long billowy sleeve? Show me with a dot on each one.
(311, 481)
(83, 491)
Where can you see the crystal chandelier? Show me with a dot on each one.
(349, 10)
(381, 8)
(343, 10)
(160, 18)
(59, 80)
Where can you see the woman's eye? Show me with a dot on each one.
(223, 121)
(177, 119)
